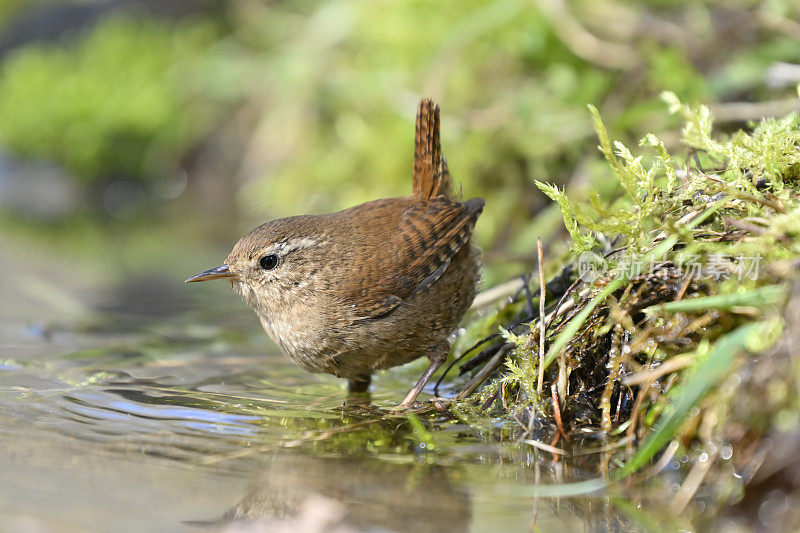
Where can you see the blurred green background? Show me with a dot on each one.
(146, 136)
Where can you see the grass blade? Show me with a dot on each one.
(761, 297)
(708, 372)
(565, 490)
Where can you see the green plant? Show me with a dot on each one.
(648, 349)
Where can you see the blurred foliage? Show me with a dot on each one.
(299, 106)
(8, 8)
(339, 81)
(109, 105)
(341, 97)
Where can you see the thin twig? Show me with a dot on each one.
(666, 457)
(676, 363)
(545, 447)
(485, 355)
(487, 369)
(566, 305)
(560, 308)
(553, 442)
(458, 359)
(528, 296)
(505, 290)
(745, 226)
(776, 205)
(684, 287)
(691, 484)
(607, 448)
(557, 410)
(637, 406)
(541, 317)
(537, 475)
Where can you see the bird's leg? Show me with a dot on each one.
(437, 356)
(358, 392)
(359, 385)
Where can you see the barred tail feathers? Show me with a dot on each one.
(431, 177)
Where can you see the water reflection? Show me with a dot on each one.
(301, 491)
(122, 405)
(148, 426)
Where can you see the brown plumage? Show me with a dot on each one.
(371, 287)
(430, 177)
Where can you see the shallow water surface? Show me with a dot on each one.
(125, 421)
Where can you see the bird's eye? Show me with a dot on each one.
(268, 262)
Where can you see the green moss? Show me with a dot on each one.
(697, 281)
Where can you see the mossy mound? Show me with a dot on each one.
(671, 329)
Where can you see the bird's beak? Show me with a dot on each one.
(221, 271)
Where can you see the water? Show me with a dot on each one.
(147, 411)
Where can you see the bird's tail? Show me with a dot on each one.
(431, 177)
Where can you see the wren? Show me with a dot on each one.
(371, 287)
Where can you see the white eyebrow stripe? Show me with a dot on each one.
(292, 245)
(305, 242)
